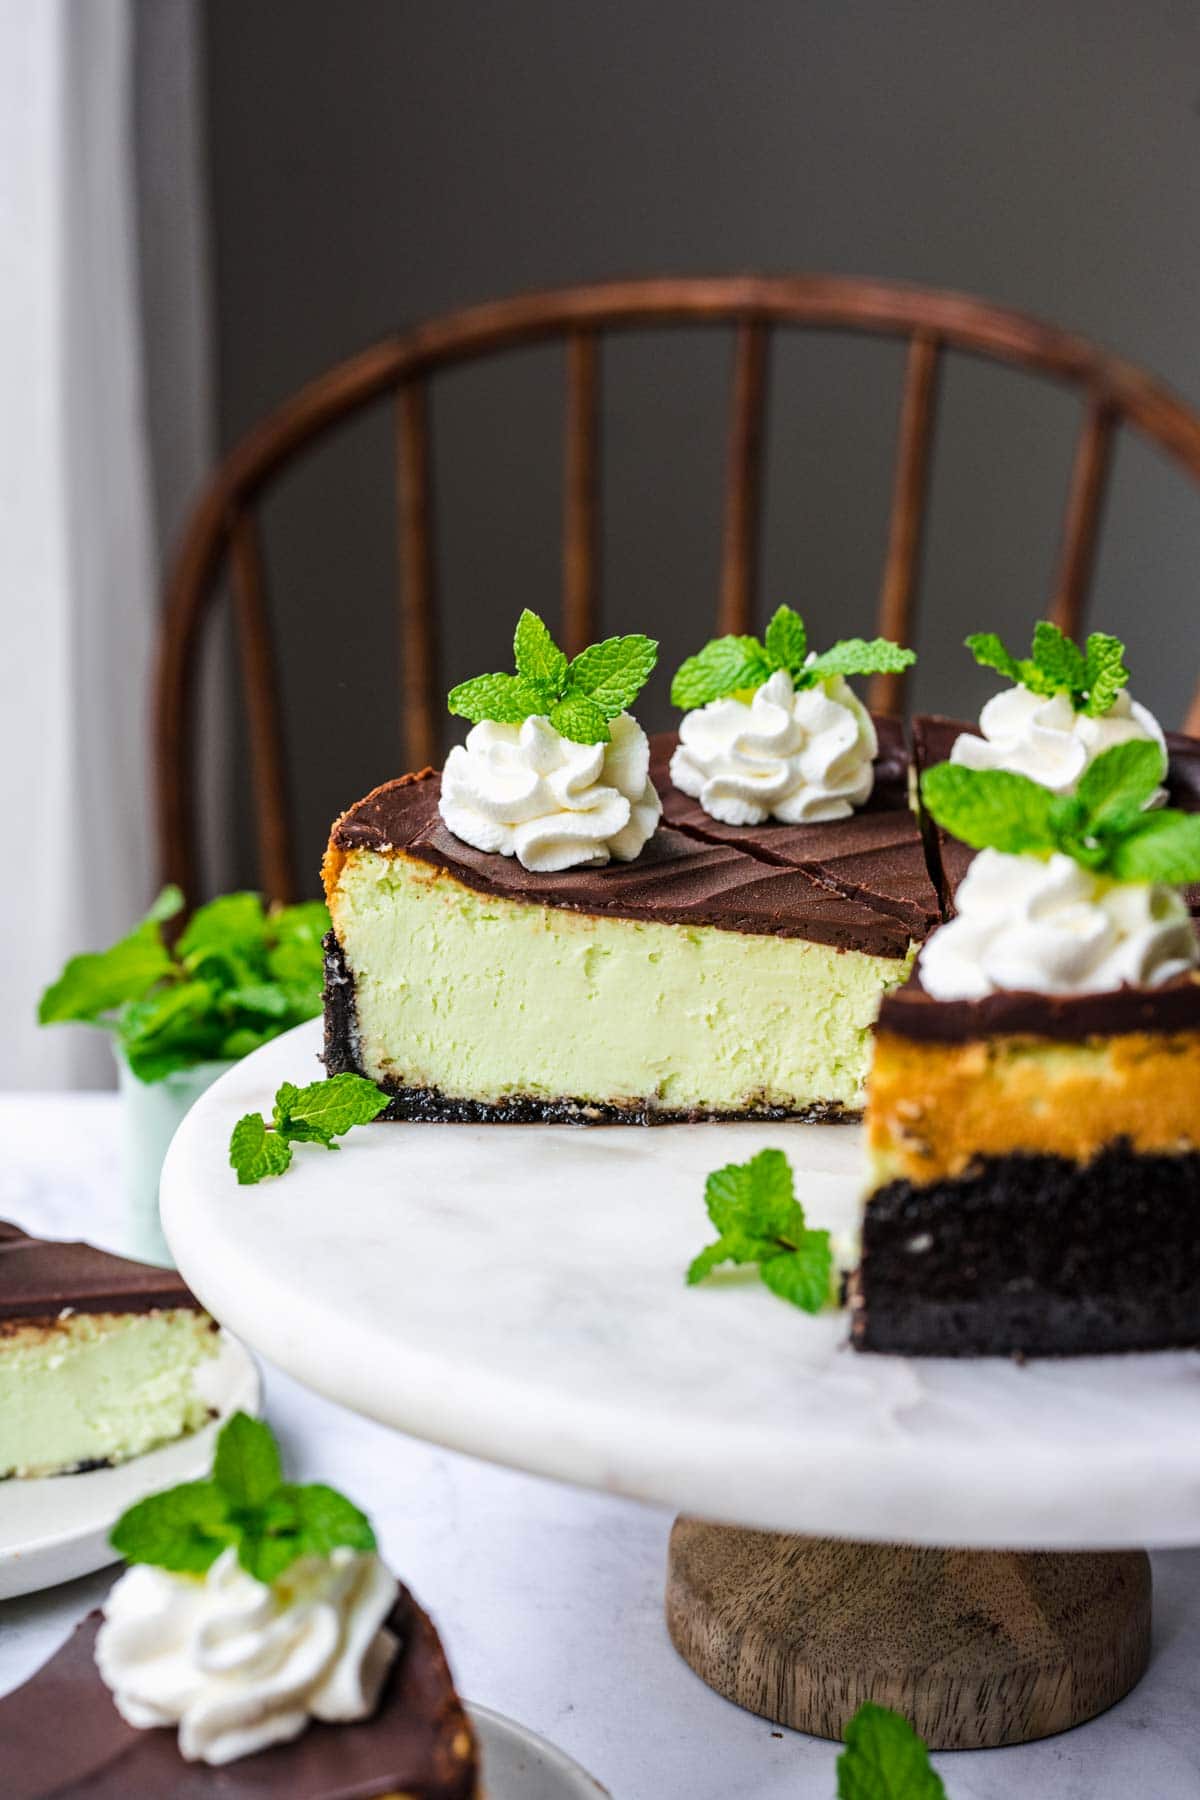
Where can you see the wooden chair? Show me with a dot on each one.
(222, 534)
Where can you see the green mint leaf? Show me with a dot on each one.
(884, 1759)
(505, 699)
(1057, 658)
(1105, 674)
(1161, 846)
(580, 719)
(331, 1106)
(536, 654)
(168, 904)
(184, 1529)
(754, 1208)
(306, 922)
(989, 652)
(612, 674)
(327, 1521)
(255, 1152)
(246, 1466)
(1114, 789)
(787, 641)
(991, 808)
(723, 667)
(859, 656)
(803, 1275)
(100, 981)
(233, 922)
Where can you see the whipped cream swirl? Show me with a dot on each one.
(1055, 928)
(1049, 741)
(239, 1665)
(799, 757)
(525, 791)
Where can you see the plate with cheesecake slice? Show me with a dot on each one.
(113, 1382)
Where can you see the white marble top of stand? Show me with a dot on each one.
(517, 1292)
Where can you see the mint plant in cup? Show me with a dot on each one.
(181, 1009)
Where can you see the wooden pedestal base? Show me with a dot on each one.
(976, 1648)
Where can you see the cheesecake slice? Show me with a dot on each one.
(1034, 1174)
(417, 1744)
(98, 1356)
(706, 978)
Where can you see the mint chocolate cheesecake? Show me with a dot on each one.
(98, 1356)
(698, 981)
(552, 929)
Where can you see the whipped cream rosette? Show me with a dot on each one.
(556, 772)
(1069, 893)
(1067, 707)
(772, 730)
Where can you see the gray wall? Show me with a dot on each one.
(375, 161)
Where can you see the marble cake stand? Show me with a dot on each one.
(517, 1293)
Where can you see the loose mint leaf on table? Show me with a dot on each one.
(255, 1152)
(579, 698)
(248, 1503)
(727, 665)
(884, 1759)
(315, 1114)
(755, 1211)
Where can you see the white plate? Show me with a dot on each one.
(57, 1527)
(517, 1292)
(519, 1765)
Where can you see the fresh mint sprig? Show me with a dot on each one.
(245, 1502)
(727, 665)
(755, 1210)
(1103, 825)
(884, 1759)
(315, 1114)
(237, 975)
(579, 697)
(1091, 678)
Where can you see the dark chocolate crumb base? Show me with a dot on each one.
(417, 1105)
(1031, 1255)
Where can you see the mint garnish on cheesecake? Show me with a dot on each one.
(1071, 893)
(1090, 678)
(735, 665)
(579, 698)
(773, 731)
(556, 771)
(246, 1505)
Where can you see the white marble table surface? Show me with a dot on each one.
(550, 1599)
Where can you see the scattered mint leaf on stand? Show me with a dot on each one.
(884, 1759)
(579, 697)
(315, 1114)
(245, 1502)
(1104, 826)
(759, 1220)
(238, 974)
(730, 665)
(1091, 678)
